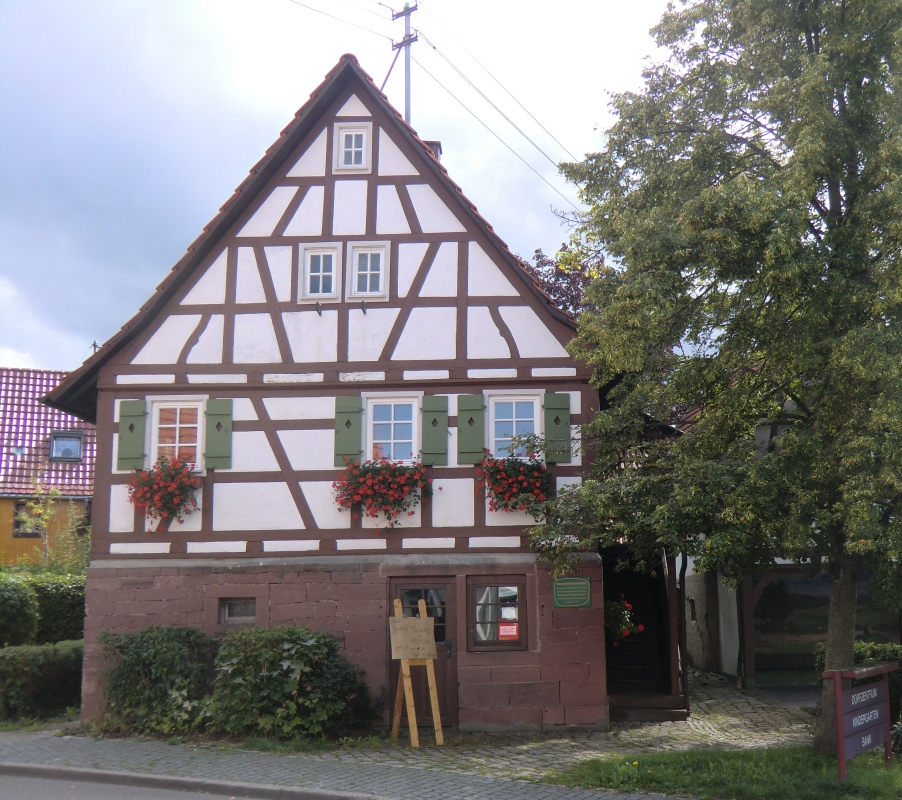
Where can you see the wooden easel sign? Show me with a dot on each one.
(413, 643)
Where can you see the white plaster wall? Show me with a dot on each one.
(309, 449)
(270, 212)
(216, 547)
(453, 502)
(312, 337)
(312, 163)
(289, 545)
(576, 438)
(254, 506)
(494, 541)
(576, 402)
(210, 287)
(308, 219)
(208, 349)
(166, 344)
(430, 333)
(360, 544)
(321, 499)
(251, 453)
(434, 216)
(349, 211)
(220, 377)
(410, 256)
(442, 278)
(573, 480)
(353, 108)
(484, 340)
(492, 373)
(243, 409)
(507, 518)
(193, 521)
(484, 279)
(248, 287)
(368, 332)
(122, 512)
(255, 340)
(391, 160)
(300, 407)
(553, 372)
(139, 548)
(533, 338)
(390, 216)
(278, 259)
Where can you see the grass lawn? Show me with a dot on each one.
(784, 773)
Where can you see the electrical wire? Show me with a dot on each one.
(485, 97)
(339, 19)
(484, 125)
(368, 11)
(506, 90)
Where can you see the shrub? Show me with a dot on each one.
(159, 678)
(284, 682)
(872, 651)
(61, 606)
(40, 680)
(18, 612)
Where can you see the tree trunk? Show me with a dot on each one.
(840, 643)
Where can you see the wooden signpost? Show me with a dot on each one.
(413, 643)
(862, 712)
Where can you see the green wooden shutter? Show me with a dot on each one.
(132, 414)
(348, 429)
(470, 428)
(557, 428)
(435, 431)
(218, 442)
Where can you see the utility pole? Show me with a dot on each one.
(405, 43)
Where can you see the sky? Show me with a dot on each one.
(126, 124)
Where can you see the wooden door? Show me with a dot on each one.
(439, 597)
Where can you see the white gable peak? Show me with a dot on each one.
(484, 279)
(308, 219)
(166, 344)
(533, 338)
(278, 259)
(210, 287)
(353, 108)
(390, 216)
(442, 278)
(368, 332)
(391, 160)
(248, 288)
(312, 336)
(349, 214)
(433, 214)
(255, 340)
(484, 340)
(270, 212)
(208, 349)
(410, 256)
(312, 164)
(430, 334)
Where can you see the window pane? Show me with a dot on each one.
(504, 410)
(374, 282)
(327, 262)
(507, 594)
(504, 429)
(315, 264)
(327, 284)
(166, 451)
(241, 608)
(404, 411)
(188, 454)
(382, 413)
(524, 427)
(382, 431)
(168, 416)
(188, 416)
(362, 282)
(166, 436)
(315, 284)
(188, 435)
(525, 409)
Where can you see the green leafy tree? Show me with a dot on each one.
(749, 198)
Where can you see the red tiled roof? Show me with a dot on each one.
(25, 428)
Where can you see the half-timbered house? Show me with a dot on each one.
(347, 301)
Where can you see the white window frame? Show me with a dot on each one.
(354, 248)
(153, 406)
(507, 396)
(338, 133)
(327, 248)
(415, 398)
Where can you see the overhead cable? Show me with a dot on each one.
(339, 19)
(484, 125)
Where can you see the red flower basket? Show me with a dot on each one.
(515, 484)
(618, 620)
(382, 487)
(166, 490)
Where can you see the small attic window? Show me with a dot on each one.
(67, 446)
(352, 146)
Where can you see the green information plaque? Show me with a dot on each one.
(572, 593)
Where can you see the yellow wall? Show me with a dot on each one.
(14, 550)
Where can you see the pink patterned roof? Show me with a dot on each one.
(25, 428)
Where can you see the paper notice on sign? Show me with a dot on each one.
(508, 631)
(412, 637)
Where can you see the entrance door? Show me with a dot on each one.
(439, 597)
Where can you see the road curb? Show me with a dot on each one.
(176, 783)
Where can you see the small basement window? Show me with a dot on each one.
(238, 610)
(496, 612)
(67, 446)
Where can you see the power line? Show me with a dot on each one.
(487, 99)
(484, 125)
(506, 90)
(339, 19)
(368, 11)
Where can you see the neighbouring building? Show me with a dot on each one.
(348, 300)
(41, 448)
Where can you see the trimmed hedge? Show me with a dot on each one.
(18, 612)
(870, 651)
(40, 680)
(61, 606)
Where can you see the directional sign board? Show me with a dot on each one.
(412, 637)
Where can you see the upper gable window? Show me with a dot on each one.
(321, 273)
(176, 431)
(368, 271)
(511, 416)
(353, 147)
(67, 446)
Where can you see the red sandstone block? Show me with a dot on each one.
(287, 593)
(354, 606)
(366, 592)
(577, 617)
(325, 608)
(138, 583)
(370, 641)
(483, 695)
(103, 583)
(238, 578)
(571, 653)
(188, 606)
(276, 578)
(286, 613)
(100, 609)
(474, 674)
(314, 575)
(586, 715)
(329, 591)
(358, 622)
(535, 694)
(517, 672)
(598, 672)
(565, 672)
(161, 594)
(582, 693)
(527, 717)
(347, 577)
(553, 716)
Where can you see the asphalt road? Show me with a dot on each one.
(13, 787)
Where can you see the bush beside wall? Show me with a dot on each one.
(18, 612)
(40, 680)
(870, 651)
(61, 606)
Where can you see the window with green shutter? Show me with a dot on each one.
(470, 428)
(218, 440)
(557, 428)
(132, 416)
(435, 431)
(348, 429)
